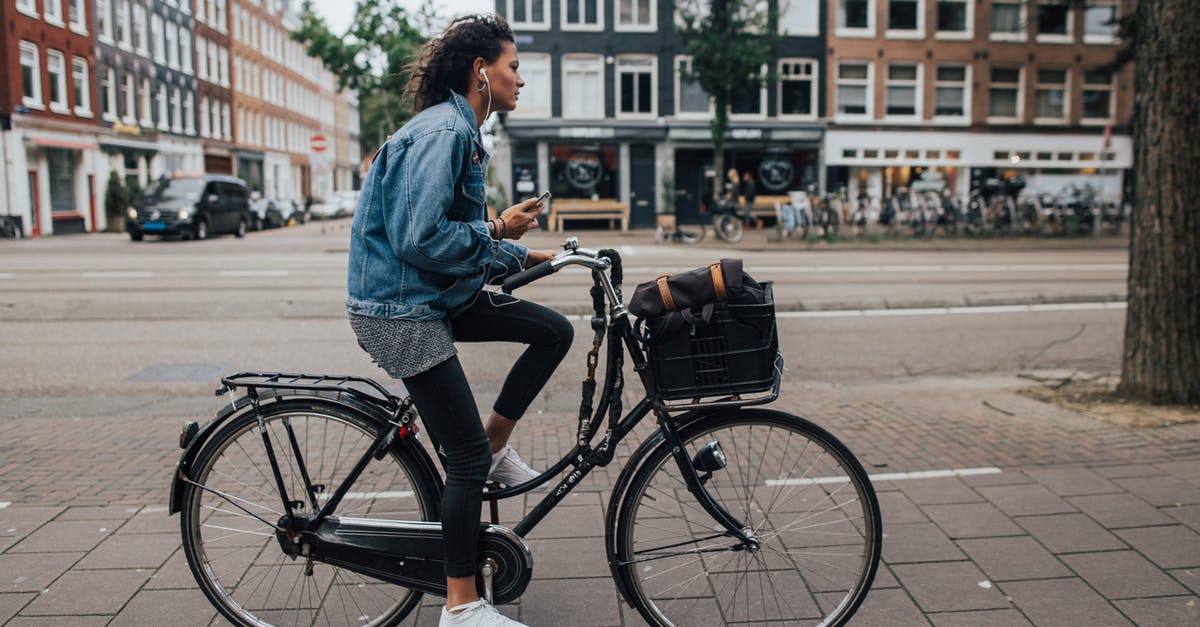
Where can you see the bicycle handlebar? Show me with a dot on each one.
(572, 256)
(526, 277)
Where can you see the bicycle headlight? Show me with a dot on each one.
(710, 458)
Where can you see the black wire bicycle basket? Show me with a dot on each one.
(731, 352)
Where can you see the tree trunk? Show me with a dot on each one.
(719, 123)
(1162, 328)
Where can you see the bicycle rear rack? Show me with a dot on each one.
(361, 387)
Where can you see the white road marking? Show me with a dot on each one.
(118, 275)
(253, 273)
(892, 476)
(4, 504)
(946, 311)
(400, 494)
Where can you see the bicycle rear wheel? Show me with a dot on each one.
(795, 487)
(228, 525)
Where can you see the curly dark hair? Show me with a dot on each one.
(444, 62)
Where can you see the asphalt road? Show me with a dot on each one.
(90, 324)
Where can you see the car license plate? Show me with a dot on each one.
(154, 226)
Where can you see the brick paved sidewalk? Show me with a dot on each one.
(1085, 524)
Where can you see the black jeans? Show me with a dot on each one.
(443, 397)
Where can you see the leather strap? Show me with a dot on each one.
(664, 290)
(718, 279)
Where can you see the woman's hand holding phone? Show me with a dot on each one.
(520, 218)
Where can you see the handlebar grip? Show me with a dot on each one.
(526, 277)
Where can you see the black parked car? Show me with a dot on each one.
(190, 206)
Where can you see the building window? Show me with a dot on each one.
(950, 91)
(1097, 94)
(528, 14)
(139, 29)
(690, 97)
(28, 7)
(636, 14)
(799, 18)
(856, 15)
(108, 94)
(205, 122)
(535, 95)
(176, 112)
(121, 21)
(1051, 94)
(220, 20)
(56, 69)
(189, 113)
(854, 89)
(753, 101)
(582, 15)
(31, 76)
(954, 18)
(52, 11)
(1100, 23)
(905, 17)
(172, 45)
(1053, 21)
(104, 20)
(583, 86)
(636, 80)
(185, 50)
(147, 109)
(157, 30)
(130, 99)
(1004, 94)
(164, 122)
(222, 65)
(78, 16)
(1008, 21)
(797, 88)
(202, 59)
(81, 87)
(903, 87)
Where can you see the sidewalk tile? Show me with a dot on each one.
(571, 522)
(1070, 533)
(897, 509)
(178, 608)
(984, 618)
(1189, 577)
(948, 587)
(1119, 510)
(1008, 477)
(173, 574)
(1072, 481)
(582, 557)
(10, 604)
(1169, 547)
(1123, 575)
(1162, 612)
(972, 520)
(59, 621)
(108, 512)
(151, 519)
(1187, 470)
(1062, 603)
(938, 491)
(883, 608)
(88, 592)
(1187, 514)
(1005, 559)
(917, 542)
(558, 602)
(1122, 471)
(17, 521)
(81, 535)
(147, 550)
(884, 577)
(32, 572)
(1026, 500)
(1162, 491)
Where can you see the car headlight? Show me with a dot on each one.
(184, 215)
(132, 213)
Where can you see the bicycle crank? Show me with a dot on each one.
(409, 553)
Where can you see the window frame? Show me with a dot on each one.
(108, 111)
(916, 83)
(35, 99)
(57, 79)
(140, 33)
(158, 32)
(164, 115)
(568, 27)
(146, 102)
(176, 111)
(123, 23)
(763, 101)
(130, 83)
(1022, 19)
(965, 118)
(172, 32)
(202, 59)
(687, 115)
(1065, 87)
(28, 7)
(521, 111)
(189, 113)
(1055, 38)
(815, 21)
(81, 80)
(1111, 37)
(914, 33)
(815, 69)
(577, 60)
(185, 51)
(867, 32)
(78, 18)
(1110, 87)
(868, 83)
(964, 35)
(651, 27)
(104, 21)
(617, 92)
(515, 25)
(1020, 84)
(55, 17)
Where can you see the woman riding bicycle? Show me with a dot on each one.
(421, 251)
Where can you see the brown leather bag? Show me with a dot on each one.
(695, 289)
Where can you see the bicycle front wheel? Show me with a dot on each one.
(228, 516)
(796, 489)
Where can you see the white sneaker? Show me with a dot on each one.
(478, 613)
(509, 469)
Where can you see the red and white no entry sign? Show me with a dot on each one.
(318, 143)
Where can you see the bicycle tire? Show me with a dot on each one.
(8, 229)
(728, 228)
(233, 555)
(662, 530)
(691, 236)
(831, 224)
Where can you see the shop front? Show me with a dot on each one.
(61, 175)
(250, 169)
(217, 159)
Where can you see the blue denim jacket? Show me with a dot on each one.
(419, 243)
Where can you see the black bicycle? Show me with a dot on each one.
(313, 499)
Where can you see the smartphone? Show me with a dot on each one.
(542, 201)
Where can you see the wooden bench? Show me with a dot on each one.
(582, 208)
(768, 206)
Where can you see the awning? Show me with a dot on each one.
(113, 142)
(49, 142)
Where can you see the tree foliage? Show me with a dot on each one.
(729, 41)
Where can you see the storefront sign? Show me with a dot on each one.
(586, 132)
(583, 170)
(776, 173)
(746, 133)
